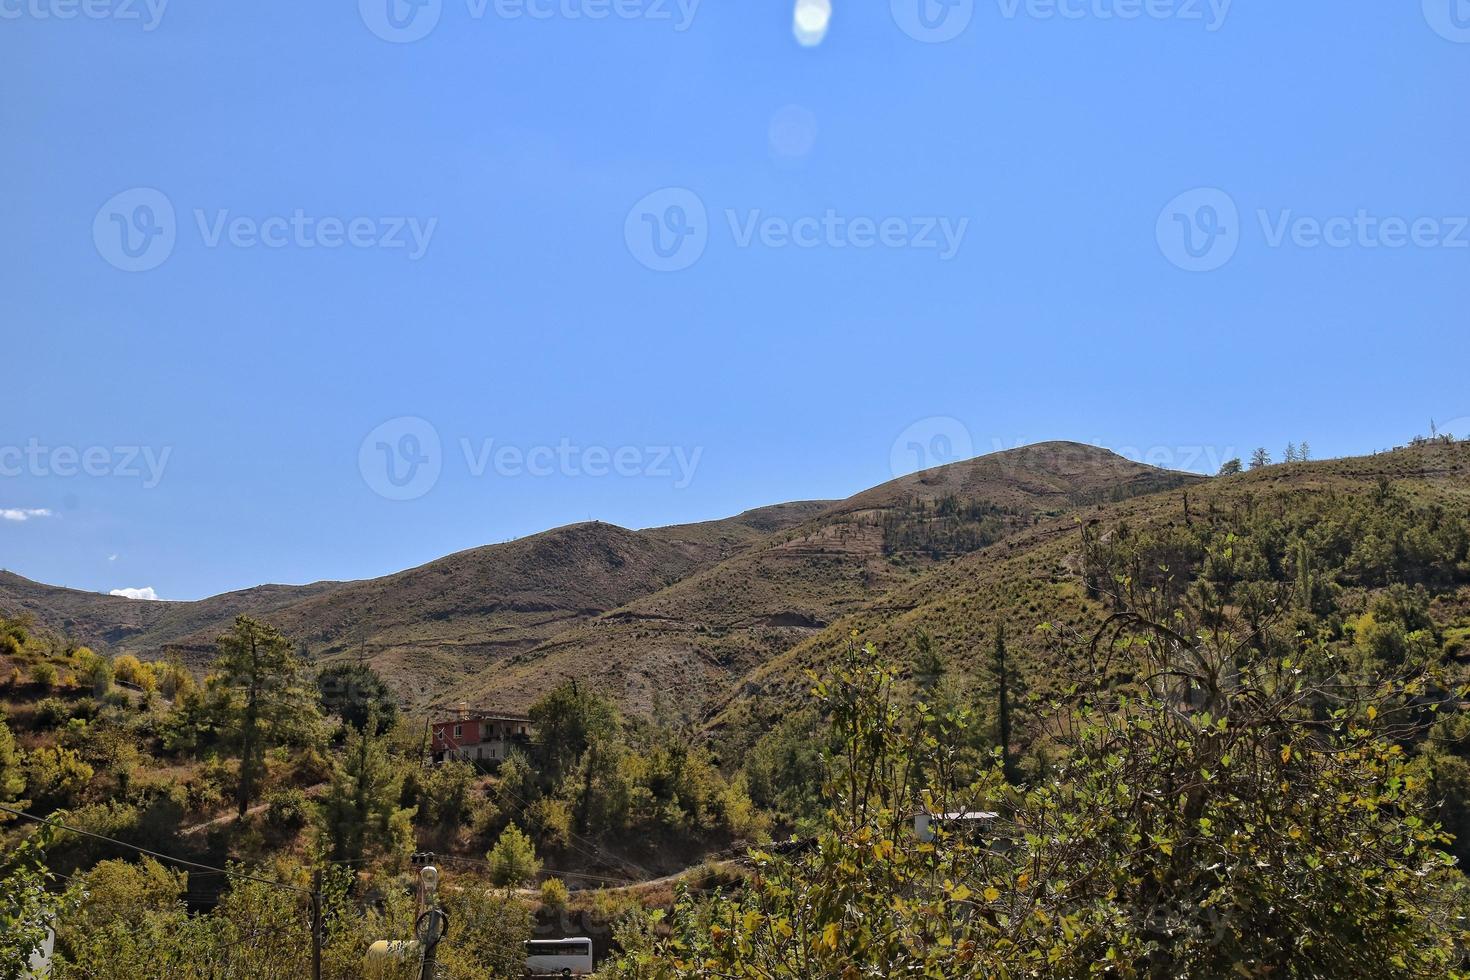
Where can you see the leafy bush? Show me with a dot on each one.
(44, 675)
(1201, 825)
(52, 712)
(554, 894)
(55, 777)
(287, 811)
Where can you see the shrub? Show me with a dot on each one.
(287, 811)
(554, 894)
(52, 712)
(130, 670)
(55, 777)
(44, 674)
(94, 670)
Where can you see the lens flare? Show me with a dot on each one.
(811, 21)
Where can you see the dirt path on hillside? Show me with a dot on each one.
(312, 791)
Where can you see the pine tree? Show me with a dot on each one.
(1305, 452)
(1003, 681)
(1260, 458)
(1304, 575)
(513, 859)
(361, 810)
(1291, 456)
(269, 701)
(928, 663)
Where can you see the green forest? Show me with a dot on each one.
(1216, 730)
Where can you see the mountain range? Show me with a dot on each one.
(698, 619)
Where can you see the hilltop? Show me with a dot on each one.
(687, 609)
(689, 646)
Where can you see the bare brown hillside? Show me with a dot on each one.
(425, 627)
(688, 646)
(679, 615)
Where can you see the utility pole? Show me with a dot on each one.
(432, 925)
(316, 924)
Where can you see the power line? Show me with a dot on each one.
(155, 854)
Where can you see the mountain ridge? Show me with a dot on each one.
(679, 612)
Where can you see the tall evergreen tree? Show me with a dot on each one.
(269, 701)
(361, 810)
(1304, 575)
(928, 663)
(1003, 682)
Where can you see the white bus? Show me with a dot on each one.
(559, 957)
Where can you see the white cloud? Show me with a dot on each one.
(143, 593)
(112, 557)
(22, 513)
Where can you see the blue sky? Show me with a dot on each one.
(462, 249)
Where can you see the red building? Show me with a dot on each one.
(478, 736)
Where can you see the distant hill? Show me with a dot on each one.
(427, 626)
(1034, 577)
(104, 621)
(679, 616)
(689, 645)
